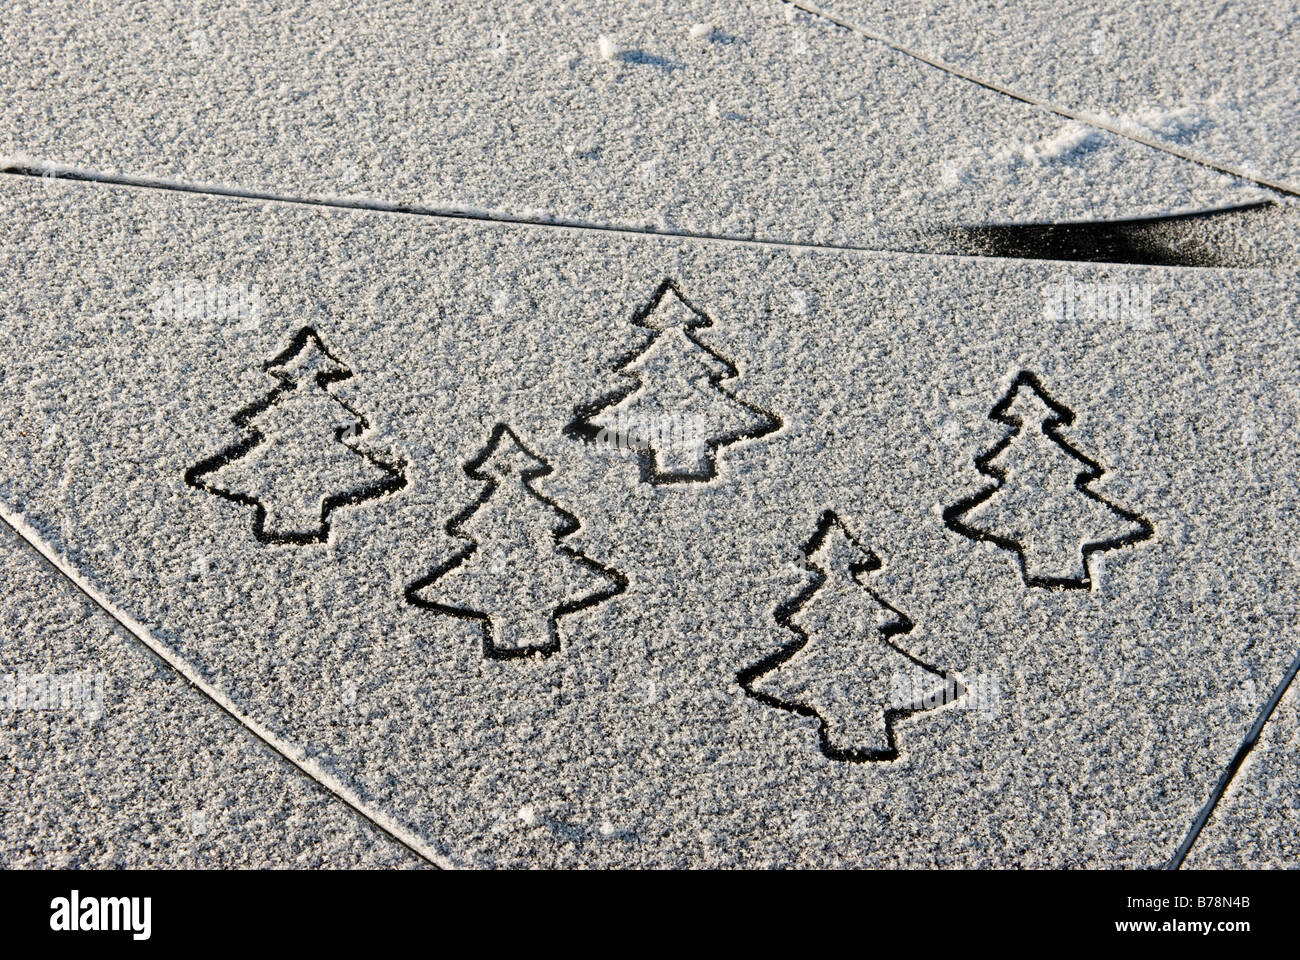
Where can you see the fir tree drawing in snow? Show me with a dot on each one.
(674, 412)
(846, 667)
(298, 459)
(515, 577)
(1041, 506)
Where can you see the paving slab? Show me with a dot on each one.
(1257, 823)
(561, 548)
(111, 759)
(1212, 80)
(673, 115)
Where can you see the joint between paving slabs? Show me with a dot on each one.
(1082, 242)
(283, 751)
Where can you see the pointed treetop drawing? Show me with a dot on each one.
(515, 576)
(297, 459)
(674, 411)
(845, 666)
(1041, 506)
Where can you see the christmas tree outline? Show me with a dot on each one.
(900, 624)
(1061, 416)
(569, 524)
(280, 367)
(723, 370)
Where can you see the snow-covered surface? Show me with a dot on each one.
(1215, 79)
(1104, 716)
(408, 539)
(142, 772)
(773, 126)
(1258, 822)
